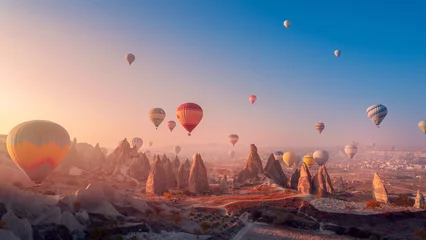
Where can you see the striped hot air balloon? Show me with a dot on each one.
(252, 99)
(308, 159)
(171, 124)
(422, 126)
(38, 147)
(377, 113)
(321, 157)
(137, 142)
(319, 127)
(157, 116)
(351, 150)
(189, 115)
(233, 139)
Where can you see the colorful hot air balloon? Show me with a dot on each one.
(351, 150)
(252, 99)
(289, 158)
(130, 58)
(233, 139)
(278, 155)
(177, 149)
(377, 113)
(231, 154)
(150, 143)
(157, 116)
(38, 147)
(137, 142)
(308, 159)
(422, 126)
(189, 115)
(287, 23)
(319, 127)
(337, 53)
(171, 124)
(321, 157)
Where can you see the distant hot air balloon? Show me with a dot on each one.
(377, 113)
(177, 149)
(308, 160)
(171, 124)
(422, 126)
(130, 58)
(393, 148)
(278, 155)
(233, 139)
(189, 115)
(289, 158)
(157, 116)
(351, 150)
(252, 99)
(38, 147)
(373, 144)
(287, 23)
(319, 127)
(321, 157)
(337, 53)
(231, 154)
(150, 143)
(137, 142)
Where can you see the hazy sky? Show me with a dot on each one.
(64, 61)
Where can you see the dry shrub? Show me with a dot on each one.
(167, 195)
(205, 227)
(372, 204)
(419, 234)
(404, 201)
(176, 216)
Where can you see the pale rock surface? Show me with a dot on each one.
(253, 166)
(198, 181)
(294, 179)
(7, 235)
(71, 222)
(183, 178)
(139, 168)
(170, 175)
(20, 227)
(97, 157)
(380, 192)
(235, 184)
(73, 159)
(419, 201)
(223, 185)
(274, 171)
(304, 185)
(156, 183)
(118, 161)
(83, 217)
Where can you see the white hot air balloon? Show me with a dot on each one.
(137, 142)
(351, 150)
(422, 126)
(177, 149)
(287, 23)
(321, 157)
(337, 53)
(231, 154)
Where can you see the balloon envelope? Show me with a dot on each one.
(278, 155)
(422, 126)
(38, 147)
(289, 158)
(287, 23)
(189, 116)
(321, 157)
(319, 127)
(377, 113)
(157, 116)
(233, 139)
(351, 150)
(137, 142)
(130, 58)
(308, 159)
(337, 53)
(252, 99)
(177, 149)
(171, 124)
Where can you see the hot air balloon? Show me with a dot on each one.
(189, 115)
(319, 127)
(150, 143)
(287, 23)
(157, 116)
(231, 154)
(38, 147)
(278, 155)
(289, 158)
(422, 126)
(321, 157)
(351, 150)
(308, 159)
(171, 124)
(373, 144)
(252, 99)
(233, 139)
(377, 113)
(337, 53)
(137, 142)
(177, 149)
(130, 58)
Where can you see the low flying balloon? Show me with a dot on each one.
(130, 58)
(337, 53)
(38, 147)
(278, 155)
(422, 126)
(252, 99)
(157, 116)
(308, 159)
(137, 142)
(377, 113)
(289, 158)
(287, 23)
(319, 127)
(177, 149)
(150, 143)
(233, 139)
(171, 124)
(189, 115)
(321, 157)
(231, 154)
(351, 150)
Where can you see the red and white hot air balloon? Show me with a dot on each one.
(252, 99)
(319, 127)
(233, 139)
(189, 115)
(171, 124)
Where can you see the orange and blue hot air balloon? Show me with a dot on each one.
(38, 147)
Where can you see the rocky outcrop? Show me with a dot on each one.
(253, 166)
(73, 159)
(340, 185)
(183, 178)
(321, 183)
(170, 175)
(97, 158)
(119, 158)
(223, 185)
(164, 159)
(274, 171)
(294, 180)
(156, 183)
(187, 164)
(419, 201)
(304, 185)
(175, 166)
(380, 192)
(328, 182)
(198, 181)
(140, 168)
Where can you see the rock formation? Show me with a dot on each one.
(223, 185)
(170, 175)
(253, 166)
(380, 193)
(140, 168)
(304, 185)
(340, 185)
(164, 159)
(274, 171)
(183, 178)
(187, 164)
(321, 182)
(73, 159)
(156, 183)
(119, 158)
(198, 181)
(420, 200)
(328, 182)
(96, 159)
(294, 180)
(175, 166)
